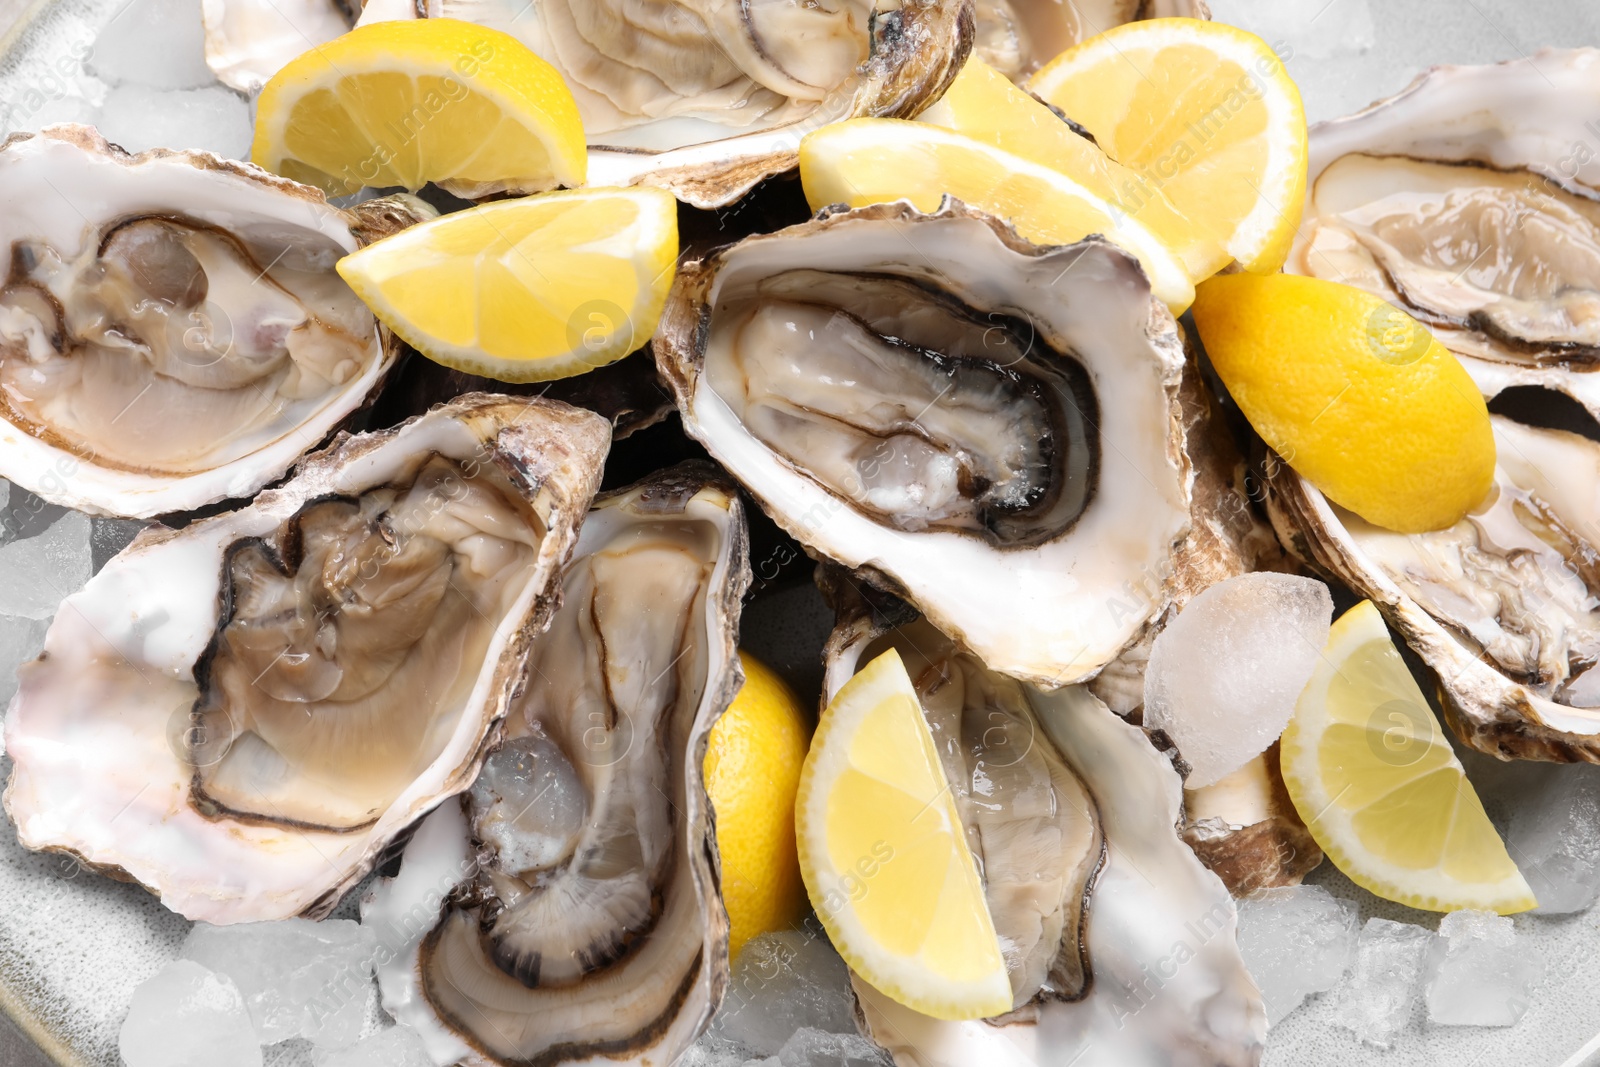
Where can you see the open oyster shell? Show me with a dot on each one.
(240, 715)
(707, 98)
(1084, 871)
(1017, 37)
(988, 428)
(172, 330)
(1470, 200)
(582, 920)
(1502, 605)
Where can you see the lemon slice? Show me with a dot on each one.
(884, 856)
(1352, 393)
(419, 100)
(1206, 113)
(985, 105)
(874, 161)
(752, 770)
(1381, 789)
(526, 290)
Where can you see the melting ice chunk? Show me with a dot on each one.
(1225, 674)
(159, 43)
(188, 1016)
(782, 982)
(810, 1047)
(1478, 974)
(1296, 940)
(398, 1046)
(1380, 996)
(42, 569)
(300, 978)
(1554, 837)
(788, 1005)
(214, 119)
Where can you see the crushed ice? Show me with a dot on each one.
(1478, 973)
(1296, 941)
(1381, 996)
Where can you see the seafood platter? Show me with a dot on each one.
(932, 533)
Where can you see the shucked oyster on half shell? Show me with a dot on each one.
(1504, 606)
(582, 920)
(986, 427)
(1472, 200)
(1120, 946)
(241, 714)
(1017, 37)
(708, 97)
(172, 331)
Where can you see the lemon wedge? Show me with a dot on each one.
(1354, 394)
(985, 105)
(1206, 114)
(526, 290)
(421, 100)
(884, 856)
(1380, 788)
(752, 770)
(875, 161)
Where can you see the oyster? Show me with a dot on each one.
(707, 98)
(248, 41)
(1504, 606)
(988, 428)
(1071, 814)
(241, 715)
(1017, 37)
(1469, 200)
(583, 920)
(198, 286)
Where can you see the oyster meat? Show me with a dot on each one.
(1071, 816)
(198, 286)
(1504, 606)
(581, 917)
(988, 428)
(707, 98)
(1017, 37)
(1470, 200)
(241, 715)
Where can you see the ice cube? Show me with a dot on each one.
(1379, 997)
(214, 119)
(110, 536)
(810, 1047)
(159, 43)
(20, 641)
(397, 1046)
(1296, 940)
(1225, 673)
(783, 982)
(714, 1051)
(188, 1016)
(300, 978)
(1554, 836)
(41, 570)
(1315, 29)
(1478, 973)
